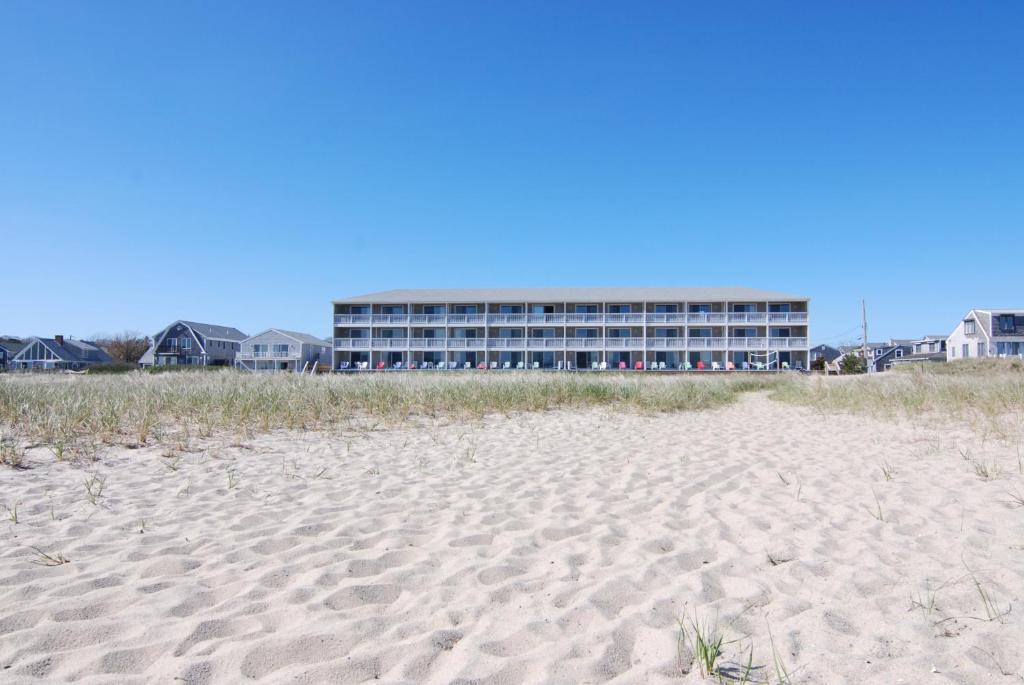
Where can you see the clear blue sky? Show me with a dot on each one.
(245, 163)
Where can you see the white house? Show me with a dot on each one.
(987, 333)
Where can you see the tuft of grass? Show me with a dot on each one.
(877, 512)
(44, 559)
(987, 470)
(707, 642)
(992, 610)
(888, 471)
(233, 479)
(94, 485)
(782, 676)
(12, 511)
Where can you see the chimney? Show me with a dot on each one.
(59, 339)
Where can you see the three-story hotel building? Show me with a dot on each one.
(572, 328)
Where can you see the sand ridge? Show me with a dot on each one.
(552, 547)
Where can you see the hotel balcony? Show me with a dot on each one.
(561, 319)
(628, 343)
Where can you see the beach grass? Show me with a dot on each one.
(61, 411)
(991, 389)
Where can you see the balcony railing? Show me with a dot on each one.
(351, 319)
(567, 319)
(463, 319)
(627, 343)
(266, 354)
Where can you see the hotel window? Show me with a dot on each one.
(465, 309)
(970, 328)
(619, 309)
(542, 332)
(700, 308)
(666, 308)
(779, 307)
(586, 309)
(392, 309)
(700, 332)
(744, 308)
(744, 332)
(586, 332)
(359, 309)
(542, 309)
(433, 309)
(510, 332)
(510, 309)
(618, 333)
(666, 332)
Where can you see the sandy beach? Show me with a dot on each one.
(561, 546)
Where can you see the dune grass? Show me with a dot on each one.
(990, 389)
(63, 411)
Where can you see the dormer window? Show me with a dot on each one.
(970, 327)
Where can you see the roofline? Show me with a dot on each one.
(361, 299)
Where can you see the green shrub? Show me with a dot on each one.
(112, 367)
(851, 363)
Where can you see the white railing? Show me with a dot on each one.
(662, 343)
(624, 343)
(545, 342)
(267, 354)
(351, 319)
(588, 343)
(752, 343)
(427, 343)
(428, 319)
(706, 343)
(391, 343)
(667, 317)
(623, 318)
(706, 317)
(506, 318)
(584, 318)
(351, 343)
(747, 317)
(462, 319)
(390, 318)
(787, 317)
(541, 319)
(506, 343)
(466, 343)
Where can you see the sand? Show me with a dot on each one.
(558, 547)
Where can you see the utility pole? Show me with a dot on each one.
(864, 340)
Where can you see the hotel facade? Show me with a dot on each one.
(581, 328)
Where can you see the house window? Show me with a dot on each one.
(186, 343)
(1007, 324)
(171, 342)
(281, 350)
(966, 350)
(899, 352)
(259, 350)
(981, 349)
(970, 327)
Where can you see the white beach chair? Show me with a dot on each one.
(467, 365)
(604, 366)
(593, 366)
(507, 365)
(568, 366)
(519, 365)
(494, 365)
(715, 366)
(661, 366)
(536, 365)
(561, 365)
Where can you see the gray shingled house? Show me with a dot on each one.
(57, 353)
(195, 344)
(276, 349)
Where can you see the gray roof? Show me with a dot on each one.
(301, 337)
(209, 330)
(73, 350)
(667, 294)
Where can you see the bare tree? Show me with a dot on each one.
(125, 348)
